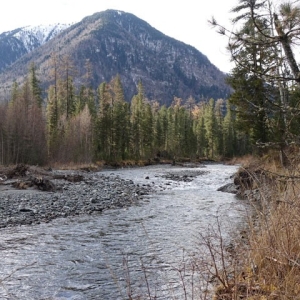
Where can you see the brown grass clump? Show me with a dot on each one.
(269, 263)
(245, 160)
(274, 251)
(274, 244)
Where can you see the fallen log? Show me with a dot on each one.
(39, 183)
(71, 178)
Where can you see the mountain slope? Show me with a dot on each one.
(115, 42)
(14, 44)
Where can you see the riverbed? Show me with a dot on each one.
(131, 250)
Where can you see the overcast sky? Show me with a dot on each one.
(186, 20)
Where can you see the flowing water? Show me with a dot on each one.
(100, 256)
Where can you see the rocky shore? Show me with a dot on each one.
(30, 195)
(249, 184)
(36, 197)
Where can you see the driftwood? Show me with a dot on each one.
(35, 182)
(71, 178)
(23, 176)
(3, 178)
(43, 184)
(20, 170)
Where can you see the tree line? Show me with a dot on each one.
(86, 125)
(82, 125)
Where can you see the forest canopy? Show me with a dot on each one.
(86, 125)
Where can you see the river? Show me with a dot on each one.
(141, 247)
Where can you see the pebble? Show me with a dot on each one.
(94, 194)
(90, 196)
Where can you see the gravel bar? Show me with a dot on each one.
(94, 194)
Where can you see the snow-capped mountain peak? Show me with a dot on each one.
(34, 36)
(18, 42)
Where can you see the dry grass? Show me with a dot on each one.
(269, 264)
(274, 249)
(274, 244)
(245, 161)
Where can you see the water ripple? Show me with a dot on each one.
(94, 257)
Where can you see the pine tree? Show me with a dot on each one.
(120, 122)
(211, 128)
(35, 86)
(52, 122)
(147, 130)
(266, 72)
(219, 113)
(104, 122)
(229, 133)
(136, 115)
(161, 131)
(202, 144)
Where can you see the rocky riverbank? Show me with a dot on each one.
(24, 200)
(30, 195)
(250, 184)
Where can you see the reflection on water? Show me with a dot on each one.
(95, 257)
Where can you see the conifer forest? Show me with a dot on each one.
(85, 125)
(68, 122)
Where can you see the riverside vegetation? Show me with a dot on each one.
(266, 86)
(263, 262)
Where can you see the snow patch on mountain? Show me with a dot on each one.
(35, 36)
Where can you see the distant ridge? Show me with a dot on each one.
(16, 43)
(114, 42)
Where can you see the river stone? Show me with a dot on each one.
(92, 195)
(229, 188)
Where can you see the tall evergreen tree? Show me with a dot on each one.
(147, 130)
(219, 113)
(211, 128)
(35, 86)
(161, 131)
(202, 143)
(266, 71)
(229, 133)
(120, 122)
(136, 107)
(104, 123)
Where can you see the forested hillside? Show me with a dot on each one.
(94, 125)
(84, 124)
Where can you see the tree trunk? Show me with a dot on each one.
(284, 40)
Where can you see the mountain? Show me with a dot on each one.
(115, 42)
(16, 43)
